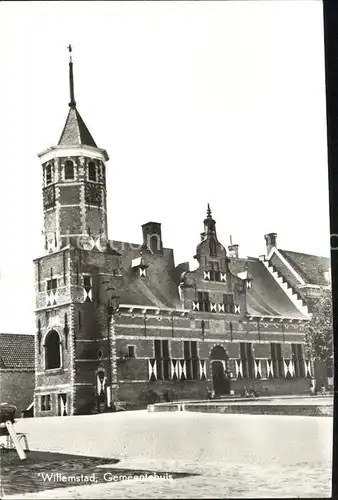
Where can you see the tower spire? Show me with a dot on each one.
(72, 103)
(209, 223)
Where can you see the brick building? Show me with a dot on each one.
(17, 366)
(116, 319)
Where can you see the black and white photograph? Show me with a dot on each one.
(166, 325)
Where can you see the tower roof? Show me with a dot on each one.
(75, 131)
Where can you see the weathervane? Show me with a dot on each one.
(70, 50)
(72, 103)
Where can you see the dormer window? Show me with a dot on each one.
(92, 171)
(69, 170)
(48, 174)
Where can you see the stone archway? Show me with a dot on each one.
(220, 373)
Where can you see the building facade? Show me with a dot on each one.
(117, 321)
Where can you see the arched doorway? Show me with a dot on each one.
(220, 372)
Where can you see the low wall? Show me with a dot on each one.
(248, 408)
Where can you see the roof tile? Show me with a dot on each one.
(17, 351)
(75, 131)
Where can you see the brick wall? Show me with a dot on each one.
(17, 388)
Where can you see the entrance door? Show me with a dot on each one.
(220, 379)
(220, 373)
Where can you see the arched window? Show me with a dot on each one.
(69, 170)
(52, 350)
(92, 171)
(155, 243)
(48, 174)
(218, 352)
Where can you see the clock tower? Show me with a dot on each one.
(73, 352)
(74, 183)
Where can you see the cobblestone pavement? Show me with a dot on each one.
(235, 456)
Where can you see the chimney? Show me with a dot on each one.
(271, 242)
(152, 237)
(233, 251)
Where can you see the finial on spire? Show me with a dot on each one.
(72, 103)
(209, 212)
(230, 239)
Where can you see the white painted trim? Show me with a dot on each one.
(76, 360)
(153, 327)
(154, 308)
(71, 151)
(216, 339)
(324, 287)
(52, 388)
(296, 275)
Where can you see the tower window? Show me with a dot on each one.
(69, 170)
(92, 171)
(52, 350)
(131, 351)
(48, 174)
(52, 284)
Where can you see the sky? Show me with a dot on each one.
(195, 102)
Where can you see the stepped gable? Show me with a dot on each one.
(266, 298)
(17, 351)
(311, 268)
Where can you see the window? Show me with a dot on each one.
(69, 170)
(247, 360)
(277, 359)
(45, 402)
(87, 281)
(52, 284)
(87, 287)
(48, 174)
(155, 243)
(215, 274)
(213, 250)
(204, 302)
(191, 359)
(131, 351)
(228, 301)
(92, 171)
(298, 359)
(161, 348)
(52, 350)
(103, 170)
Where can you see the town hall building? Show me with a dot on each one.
(116, 321)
